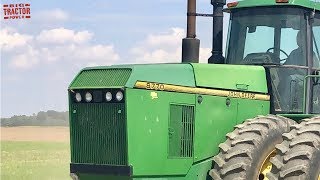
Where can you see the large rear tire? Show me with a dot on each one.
(298, 156)
(246, 152)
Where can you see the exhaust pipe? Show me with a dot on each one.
(217, 37)
(190, 44)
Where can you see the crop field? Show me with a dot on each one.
(35, 153)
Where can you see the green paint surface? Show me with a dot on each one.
(202, 75)
(302, 3)
(176, 74)
(251, 108)
(34, 160)
(234, 77)
(148, 132)
(214, 119)
(128, 75)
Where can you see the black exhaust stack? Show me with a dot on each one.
(190, 44)
(217, 41)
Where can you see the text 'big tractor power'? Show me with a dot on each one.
(253, 114)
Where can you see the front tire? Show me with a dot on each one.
(248, 148)
(299, 154)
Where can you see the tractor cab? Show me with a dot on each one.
(286, 41)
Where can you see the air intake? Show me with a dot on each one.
(101, 78)
(181, 131)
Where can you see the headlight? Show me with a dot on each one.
(119, 96)
(74, 176)
(78, 97)
(108, 96)
(88, 97)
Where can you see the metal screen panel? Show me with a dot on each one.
(98, 78)
(181, 131)
(98, 133)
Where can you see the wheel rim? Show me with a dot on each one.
(266, 166)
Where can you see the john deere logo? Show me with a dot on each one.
(154, 95)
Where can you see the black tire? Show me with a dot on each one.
(247, 147)
(298, 156)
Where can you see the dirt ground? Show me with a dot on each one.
(27, 133)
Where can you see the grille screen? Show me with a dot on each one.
(101, 78)
(98, 133)
(181, 131)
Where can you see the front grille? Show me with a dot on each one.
(98, 133)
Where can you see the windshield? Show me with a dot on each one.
(276, 38)
(267, 36)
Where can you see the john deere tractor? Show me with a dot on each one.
(251, 114)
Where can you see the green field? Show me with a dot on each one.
(34, 160)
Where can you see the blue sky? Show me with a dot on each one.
(40, 56)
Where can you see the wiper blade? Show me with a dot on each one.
(264, 63)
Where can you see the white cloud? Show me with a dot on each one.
(62, 35)
(53, 45)
(76, 47)
(205, 53)
(97, 53)
(156, 55)
(92, 54)
(85, 54)
(164, 48)
(10, 39)
(25, 60)
(169, 39)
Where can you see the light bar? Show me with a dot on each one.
(282, 1)
(232, 4)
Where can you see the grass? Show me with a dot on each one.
(34, 160)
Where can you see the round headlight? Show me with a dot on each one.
(108, 96)
(88, 97)
(119, 96)
(78, 97)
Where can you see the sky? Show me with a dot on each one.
(40, 56)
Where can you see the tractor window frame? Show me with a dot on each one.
(315, 101)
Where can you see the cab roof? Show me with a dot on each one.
(310, 4)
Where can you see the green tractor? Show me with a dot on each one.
(253, 114)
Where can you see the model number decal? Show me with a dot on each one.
(205, 91)
(243, 95)
(155, 86)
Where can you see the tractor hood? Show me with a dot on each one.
(217, 76)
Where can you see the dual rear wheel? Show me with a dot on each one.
(298, 156)
(246, 153)
(264, 148)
